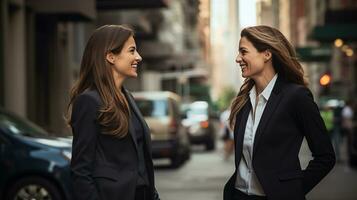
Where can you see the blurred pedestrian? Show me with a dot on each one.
(111, 156)
(347, 118)
(336, 133)
(347, 124)
(272, 113)
(327, 116)
(227, 134)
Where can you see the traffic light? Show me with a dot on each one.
(325, 83)
(325, 79)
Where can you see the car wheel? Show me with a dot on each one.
(34, 188)
(175, 162)
(210, 145)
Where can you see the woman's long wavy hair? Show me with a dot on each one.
(284, 61)
(96, 74)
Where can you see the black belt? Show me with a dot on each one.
(239, 195)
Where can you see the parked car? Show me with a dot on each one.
(162, 114)
(33, 165)
(199, 123)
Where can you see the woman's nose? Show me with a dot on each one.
(238, 59)
(138, 57)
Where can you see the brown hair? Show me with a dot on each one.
(96, 73)
(284, 61)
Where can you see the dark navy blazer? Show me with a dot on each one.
(289, 116)
(104, 167)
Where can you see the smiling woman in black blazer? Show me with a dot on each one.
(111, 156)
(272, 113)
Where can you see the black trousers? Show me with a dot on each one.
(238, 195)
(141, 193)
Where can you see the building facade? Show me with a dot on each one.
(37, 55)
(313, 27)
(41, 44)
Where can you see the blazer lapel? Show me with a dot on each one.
(137, 112)
(131, 132)
(239, 130)
(270, 107)
(131, 127)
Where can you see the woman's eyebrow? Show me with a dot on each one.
(242, 48)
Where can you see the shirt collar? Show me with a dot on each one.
(269, 88)
(266, 92)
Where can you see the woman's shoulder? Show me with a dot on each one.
(297, 92)
(89, 96)
(297, 89)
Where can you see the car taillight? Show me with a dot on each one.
(204, 124)
(173, 126)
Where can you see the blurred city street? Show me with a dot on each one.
(183, 85)
(203, 178)
(339, 184)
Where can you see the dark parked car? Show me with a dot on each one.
(33, 165)
(198, 120)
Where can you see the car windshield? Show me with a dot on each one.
(152, 108)
(198, 111)
(20, 126)
(197, 108)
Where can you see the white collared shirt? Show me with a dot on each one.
(246, 180)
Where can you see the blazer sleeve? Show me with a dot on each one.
(84, 127)
(315, 132)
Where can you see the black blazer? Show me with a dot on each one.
(289, 116)
(104, 167)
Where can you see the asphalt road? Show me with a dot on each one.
(203, 178)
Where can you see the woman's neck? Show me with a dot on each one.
(118, 85)
(262, 81)
(118, 80)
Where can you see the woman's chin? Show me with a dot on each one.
(133, 75)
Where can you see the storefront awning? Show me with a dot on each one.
(73, 10)
(330, 32)
(314, 54)
(155, 49)
(120, 4)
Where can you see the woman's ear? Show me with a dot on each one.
(110, 57)
(267, 55)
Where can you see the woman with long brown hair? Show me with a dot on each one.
(271, 115)
(111, 157)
